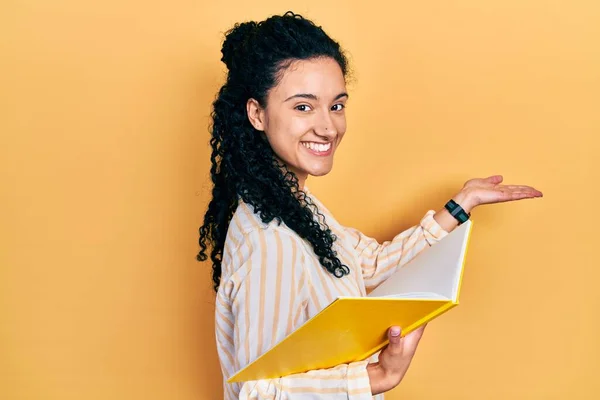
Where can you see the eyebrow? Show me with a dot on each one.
(313, 97)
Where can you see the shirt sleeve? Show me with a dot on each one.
(379, 260)
(349, 381)
(268, 302)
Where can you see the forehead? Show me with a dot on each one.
(322, 77)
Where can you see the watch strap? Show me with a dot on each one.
(457, 211)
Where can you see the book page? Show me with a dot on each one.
(436, 269)
(416, 295)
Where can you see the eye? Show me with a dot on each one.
(302, 107)
(338, 107)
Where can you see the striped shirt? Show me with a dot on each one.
(272, 282)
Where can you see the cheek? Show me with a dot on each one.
(298, 127)
(290, 132)
(284, 134)
(340, 126)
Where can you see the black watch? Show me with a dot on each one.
(457, 211)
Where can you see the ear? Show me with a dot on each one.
(256, 114)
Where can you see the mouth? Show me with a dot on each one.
(318, 149)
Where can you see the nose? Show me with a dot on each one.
(325, 127)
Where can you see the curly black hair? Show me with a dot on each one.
(243, 163)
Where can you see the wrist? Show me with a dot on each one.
(380, 381)
(465, 199)
(446, 220)
(374, 378)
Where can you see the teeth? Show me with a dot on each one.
(320, 147)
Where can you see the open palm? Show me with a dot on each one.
(489, 190)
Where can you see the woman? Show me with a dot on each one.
(279, 256)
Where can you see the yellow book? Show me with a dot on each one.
(354, 328)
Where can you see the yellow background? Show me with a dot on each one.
(104, 174)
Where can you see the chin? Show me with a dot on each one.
(319, 171)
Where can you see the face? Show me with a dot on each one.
(304, 120)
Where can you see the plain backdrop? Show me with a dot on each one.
(104, 113)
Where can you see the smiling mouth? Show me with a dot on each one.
(321, 149)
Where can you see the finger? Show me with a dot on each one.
(395, 339)
(489, 182)
(523, 188)
(504, 196)
(526, 191)
(518, 189)
(495, 179)
(394, 334)
(524, 195)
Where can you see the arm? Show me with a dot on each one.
(268, 295)
(379, 260)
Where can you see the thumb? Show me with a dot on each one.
(395, 339)
(495, 179)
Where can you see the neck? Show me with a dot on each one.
(301, 181)
(301, 176)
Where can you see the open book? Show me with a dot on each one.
(354, 328)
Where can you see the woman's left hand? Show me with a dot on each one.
(479, 191)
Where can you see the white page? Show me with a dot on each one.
(416, 295)
(436, 269)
